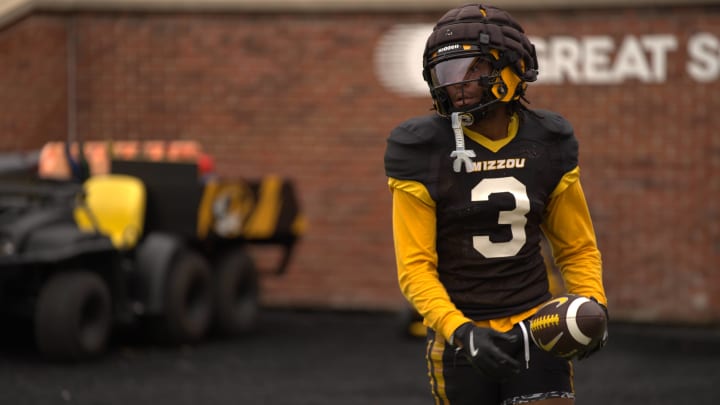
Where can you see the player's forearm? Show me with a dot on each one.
(414, 234)
(582, 274)
(571, 235)
(420, 285)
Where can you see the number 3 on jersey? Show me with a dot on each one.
(515, 218)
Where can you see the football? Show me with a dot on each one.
(568, 324)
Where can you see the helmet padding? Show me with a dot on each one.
(475, 30)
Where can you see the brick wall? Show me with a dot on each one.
(33, 97)
(298, 95)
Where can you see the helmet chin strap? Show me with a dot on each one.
(462, 156)
(460, 119)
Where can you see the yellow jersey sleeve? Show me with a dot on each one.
(569, 230)
(413, 218)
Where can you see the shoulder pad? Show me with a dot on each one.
(430, 129)
(412, 146)
(556, 133)
(552, 122)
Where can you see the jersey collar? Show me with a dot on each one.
(488, 143)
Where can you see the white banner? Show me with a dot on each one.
(595, 60)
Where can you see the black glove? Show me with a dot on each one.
(600, 343)
(482, 348)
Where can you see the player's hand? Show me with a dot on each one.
(480, 347)
(600, 343)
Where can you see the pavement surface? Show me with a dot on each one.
(342, 358)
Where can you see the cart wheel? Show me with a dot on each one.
(237, 292)
(188, 299)
(73, 316)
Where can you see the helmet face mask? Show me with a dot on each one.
(458, 71)
(464, 83)
(461, 39)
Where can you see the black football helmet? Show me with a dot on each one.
(475, 32)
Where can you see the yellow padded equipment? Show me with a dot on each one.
(114, 205)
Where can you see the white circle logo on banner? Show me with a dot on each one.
(398, 59)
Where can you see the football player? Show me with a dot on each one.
(474, 188)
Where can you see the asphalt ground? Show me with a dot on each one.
(342, 358)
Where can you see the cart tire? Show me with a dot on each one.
(73, 316)
(188, 299)
(237, 292)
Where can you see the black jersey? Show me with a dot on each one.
(488, 219)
